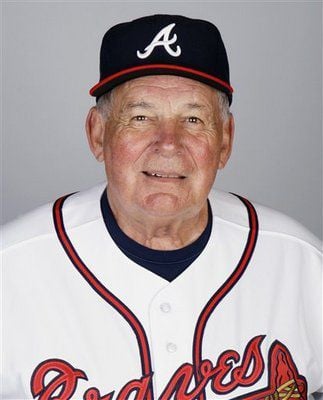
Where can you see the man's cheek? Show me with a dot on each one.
(207, 159)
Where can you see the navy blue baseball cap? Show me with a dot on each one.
(163, 45)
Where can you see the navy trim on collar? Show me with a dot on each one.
(166, 263)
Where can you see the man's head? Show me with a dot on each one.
(163, 134)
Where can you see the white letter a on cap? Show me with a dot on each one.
(162, 39)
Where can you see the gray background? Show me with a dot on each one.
(50, 60)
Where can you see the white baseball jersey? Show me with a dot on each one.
(83, 321)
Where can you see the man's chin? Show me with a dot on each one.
(163, 205)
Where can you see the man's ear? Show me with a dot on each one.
(95, 128)
(227, 141)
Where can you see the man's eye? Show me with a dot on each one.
(140, 118)
(193, 120)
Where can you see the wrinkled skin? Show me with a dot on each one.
(162, 145)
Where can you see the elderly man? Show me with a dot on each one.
(154, 285)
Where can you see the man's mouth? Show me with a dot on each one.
(164, 175)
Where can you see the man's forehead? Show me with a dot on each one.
(165, 81)
(147, 91)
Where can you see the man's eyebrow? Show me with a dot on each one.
(138, 104)
(130, 105)
(195, 106)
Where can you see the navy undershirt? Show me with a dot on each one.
(168, 264)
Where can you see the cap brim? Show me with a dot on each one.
(159, 69)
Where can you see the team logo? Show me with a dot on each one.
(65, 381)
(162, 39)
(57, 379)
(284, 380)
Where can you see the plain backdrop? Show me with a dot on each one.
(50, 54)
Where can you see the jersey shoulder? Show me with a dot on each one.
(230, 208)
(79, 208)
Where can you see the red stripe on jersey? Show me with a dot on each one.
(117, 304)
(224, 290)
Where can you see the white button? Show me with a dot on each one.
(171, 347)
(165, 307)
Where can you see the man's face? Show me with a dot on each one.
(162, 144)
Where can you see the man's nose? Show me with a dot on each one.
(168, 139)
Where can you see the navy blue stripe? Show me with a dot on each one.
(168, 264)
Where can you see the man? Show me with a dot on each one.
(155, 286)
